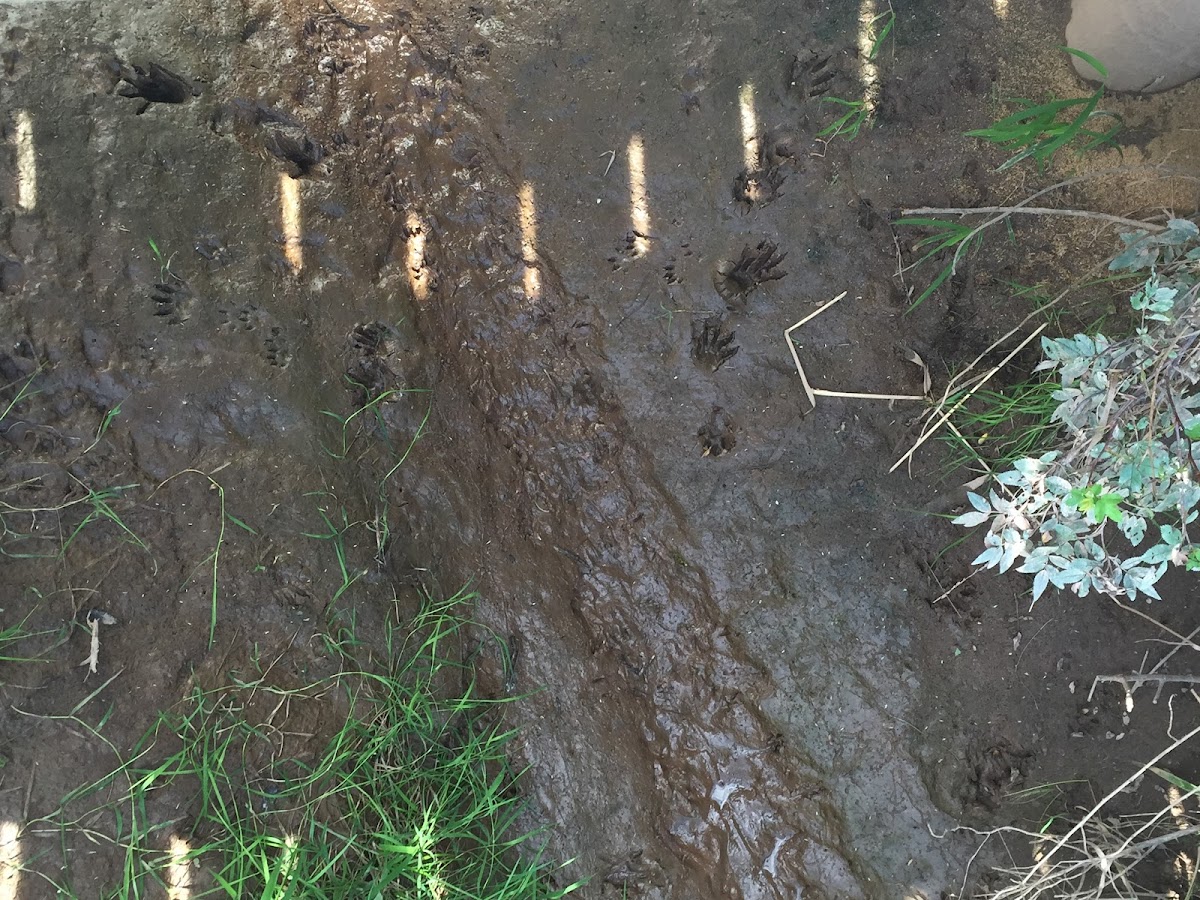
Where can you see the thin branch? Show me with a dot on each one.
(967, 396)
(1033, 211)
(1133, 682)
(1000, 217)
(1095, 810)
(1187, 642)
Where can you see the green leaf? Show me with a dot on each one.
(883, 34)
(1089, 59)
(1094, 503)
(1108, 506)
(239, 523)
(1170, 778)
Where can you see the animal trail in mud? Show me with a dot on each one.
(712, 343)
(736, 279)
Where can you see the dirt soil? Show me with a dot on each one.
(747, 676)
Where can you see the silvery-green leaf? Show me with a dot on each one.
(1032, 564)
(1009, 556)
(1027, 466)
(1133, 527)
(1073, 575)
(1180, 231)
(978, 502)
(1157, 555)
(1058, 485)
(971, 519)
(988, 557)
(1040, 581)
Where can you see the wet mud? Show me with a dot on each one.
(553, 254)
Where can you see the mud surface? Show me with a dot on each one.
(533, 230)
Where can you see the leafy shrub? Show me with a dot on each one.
(1128, 457)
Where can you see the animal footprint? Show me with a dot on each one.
(373, 339)
(374, 343)
(758, 188)
(811, 74)
(635, 245)
(170, 301)
(154, 84)
(276, 348)
(213, 248)
(717, 435)
(246, 317)
(735, 279)
(712, 345)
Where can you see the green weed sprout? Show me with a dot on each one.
(336, 536)
(14, 634)
(1128, 453)
(1038, 130)
(372, 411)
(164, 262)
(857, 114)
(946, 235)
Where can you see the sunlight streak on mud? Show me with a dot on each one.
(289, 214)
(527, 210)
(639, 204)
(418, 274)
(179, 871)
(869, 72)
(26, 161)
(749, 127)
(1001, 8)
(10, 860)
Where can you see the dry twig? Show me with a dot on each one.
(811, 392)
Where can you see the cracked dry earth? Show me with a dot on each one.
(537, 229)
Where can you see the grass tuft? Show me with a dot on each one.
(996, 428)
(411, 796)
(1038, 130)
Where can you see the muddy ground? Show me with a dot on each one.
(747, 675)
